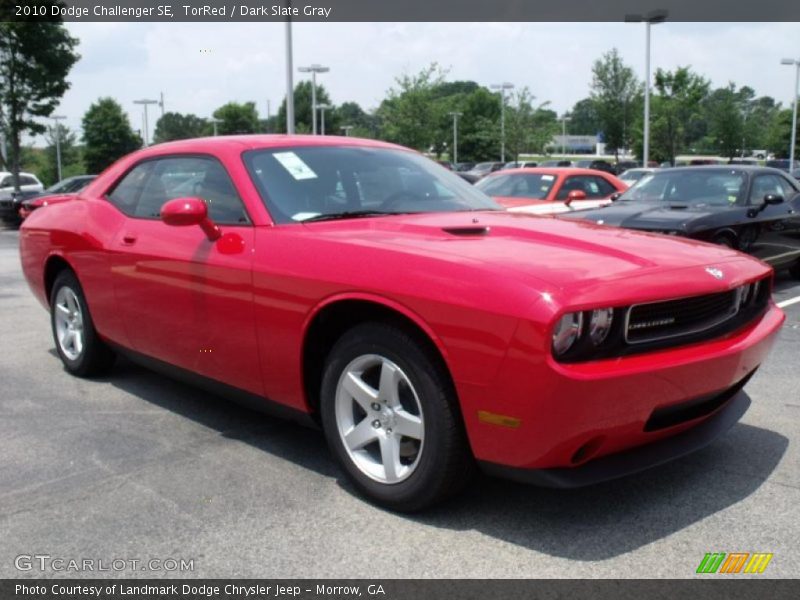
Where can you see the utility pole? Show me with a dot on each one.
(145, 103)
(455, 116)
(503, 87)
(289, 77)
(57, 129)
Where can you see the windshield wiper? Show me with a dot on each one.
(349, 214)
(678, 206)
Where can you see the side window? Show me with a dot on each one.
(572, 184)
(27, 180)
(125, 196)
(763, 185)
(147, 187)
(7, 181)
(789, 190)
(604, 188)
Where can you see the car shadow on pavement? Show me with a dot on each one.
(593, 523)
(616, 517)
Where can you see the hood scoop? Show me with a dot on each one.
(467, 230)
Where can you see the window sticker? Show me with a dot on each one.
(302, 216)
(548, 177)
(294, 165)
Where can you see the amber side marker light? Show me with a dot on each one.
(495, 419)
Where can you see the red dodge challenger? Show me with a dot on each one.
(543, 191)
(360, 286)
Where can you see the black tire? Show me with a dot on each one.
(445, 462)
(95, 357)
(724, 239)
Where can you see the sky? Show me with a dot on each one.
(200, 66)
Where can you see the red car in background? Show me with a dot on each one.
(360, 286)
(543, 190)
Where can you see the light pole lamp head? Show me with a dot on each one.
(315, 68)
(654, 17)
(790, 61)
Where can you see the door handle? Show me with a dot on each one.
(129, 239)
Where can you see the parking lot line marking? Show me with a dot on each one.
(789, 302)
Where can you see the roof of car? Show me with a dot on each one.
(552, 171)
(701, 168)
(253, 142)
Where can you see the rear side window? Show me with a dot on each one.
(592, 186)
(145, 189)
(27, 180)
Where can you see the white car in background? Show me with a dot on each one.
(631, 176)
(28, 184)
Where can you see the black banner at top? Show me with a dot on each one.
(399, 11)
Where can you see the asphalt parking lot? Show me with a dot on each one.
(138, 466)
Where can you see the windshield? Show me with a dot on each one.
(518, 185)
(316, 182)
(632, 175)
(691, 188)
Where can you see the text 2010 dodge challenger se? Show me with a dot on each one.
(360, 285)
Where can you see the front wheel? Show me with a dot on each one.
(391, 419)
(80, 348)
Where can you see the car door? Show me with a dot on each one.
(187, 300)
(777, 226)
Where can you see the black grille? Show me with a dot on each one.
(673, 318)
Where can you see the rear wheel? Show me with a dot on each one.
(391, 419)
(80, 348)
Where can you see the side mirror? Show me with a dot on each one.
(615, 196)
(182, 212)
(575, 195)
(769, 200)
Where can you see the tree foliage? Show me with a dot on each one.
(676, 106)
(107, 134)
(35, 59)
(175, 126)
(616, 96)
(236, 118)
(302, 110)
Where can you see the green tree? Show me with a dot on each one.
(363, 123)
(675, 107)
(528, 127)
(235, 118)
(107, 134)
(71, 160)
(779, 134)
(410, 115)
(479, 126)
(725, 114)
(35, 59)
(616, 93)
(175, 126)
(302, 110)
(584, 119)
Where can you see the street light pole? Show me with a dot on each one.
(322, 108)
(796, 63)
(455, 116)
(503, 87)
(145, 103)
(346, 129)
(652, 18)
(57, 129)
(289, 79)
(314, 69)
(564, 120)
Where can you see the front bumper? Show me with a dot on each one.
(635, 460)
(569, 416)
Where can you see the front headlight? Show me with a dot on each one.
(567, 331)
(600, 325)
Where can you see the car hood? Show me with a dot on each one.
(642, 215)
(537, 249)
